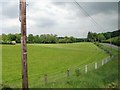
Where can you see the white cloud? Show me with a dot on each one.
(10, 22)
(58, 18)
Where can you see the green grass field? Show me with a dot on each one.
(0, 64)
(47, 59)
(104, 77)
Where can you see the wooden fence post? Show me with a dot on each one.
(96, 65)
(105, 61)
(109, 58)
(77, 72)
(85, 68)
(68, 72)
(102, 62)
(46, 78)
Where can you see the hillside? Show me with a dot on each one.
(114, 40)
(104, 77)
(50, 59)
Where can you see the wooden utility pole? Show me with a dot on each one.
(23, 44)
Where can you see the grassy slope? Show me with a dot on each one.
(100, 78)
(114, 40)
(104, 77)
(0, 64)
(46, 59)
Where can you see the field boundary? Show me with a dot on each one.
(41, 80)
(79, 70)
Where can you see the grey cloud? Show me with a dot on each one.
(15, 29)
(45, 22)
(72, 24)
(63, 4)
(10, 9)
(99, 7)
(91, 7)
(71, 8)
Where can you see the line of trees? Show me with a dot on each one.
(52, 38)
(92, 37)
(44, 38)
(102, 36)
(8, 38)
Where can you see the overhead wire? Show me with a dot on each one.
(91, 19)
(86, 13)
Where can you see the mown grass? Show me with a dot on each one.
(47, 59)
(0, 64)
(103, 77)
(106, 76)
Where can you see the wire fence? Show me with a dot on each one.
(40, 80)
(53, 78)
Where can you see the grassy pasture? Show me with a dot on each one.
(104, 77)
(46, 59)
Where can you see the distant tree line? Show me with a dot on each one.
(44, 38)
(8, 38)
(108, 37)
(102, 36)
(53, 38)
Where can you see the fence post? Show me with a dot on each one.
(110, 58)
(102, 62)
(106, 60)
(85, 68)
(68, 72)
(96, 65)
(46, 78)
(77, 72)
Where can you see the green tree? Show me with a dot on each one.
(107, 35)
(48, 38)
(18, 38)
(53, 38)
(62, 41)
(4, 38)
(92, 36)
(101, 37)
(11, 37)
(42, 38)
(37, 39)
(66, 39)
(30, 38)
(72, 39)
(89, 36)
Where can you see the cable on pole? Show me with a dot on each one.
(86, 13)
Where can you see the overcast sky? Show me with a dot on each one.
(61, 18)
